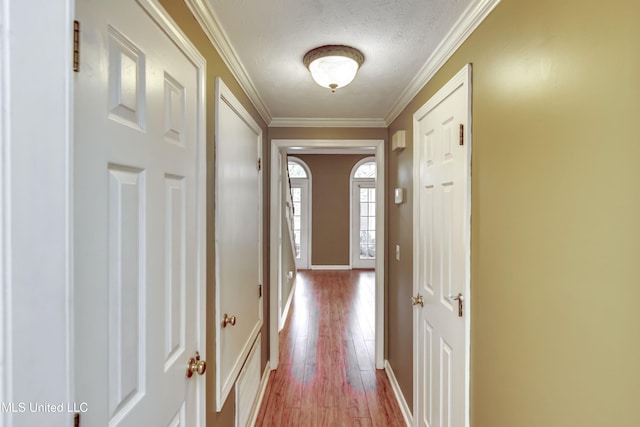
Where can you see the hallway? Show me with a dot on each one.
(327, 374)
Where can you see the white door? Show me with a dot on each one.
(301, 202)
(238, 222)
(442, 256)
(363, 224)
(138, 218)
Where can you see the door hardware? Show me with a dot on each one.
(460, 299)
(196, 366)
(418, 300)
(228, 320)
(76, 46)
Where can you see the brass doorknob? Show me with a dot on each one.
(418, 300)
(228, 320)
(196, 366)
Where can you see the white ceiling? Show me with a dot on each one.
(404, 42)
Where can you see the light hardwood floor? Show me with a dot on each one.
(327, 374)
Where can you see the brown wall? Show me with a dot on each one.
(216, 67)
(555, 281)
(330, 206)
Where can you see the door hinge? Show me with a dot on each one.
(259, 164)
(260, 291)
(461, 134)
(76, 46)
(76, 419)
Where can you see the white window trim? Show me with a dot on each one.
(306, 235)
(354, 229)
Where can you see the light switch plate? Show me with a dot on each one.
(399, 196)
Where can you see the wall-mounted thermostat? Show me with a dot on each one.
(399, 196)
(398, 141)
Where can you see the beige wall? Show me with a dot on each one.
(330, 206)
(215, 67)
(555, 216)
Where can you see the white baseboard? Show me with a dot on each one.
(263, 388)
(331, 267)
(404, 407)
(285, 312)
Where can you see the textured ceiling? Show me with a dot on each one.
(397, 37)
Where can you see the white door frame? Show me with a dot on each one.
(35, 213)
(463, 77)
(276, 146)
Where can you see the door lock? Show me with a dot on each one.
(196, 366)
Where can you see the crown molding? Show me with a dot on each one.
(294, 122)
(209, 22)
(463, 28)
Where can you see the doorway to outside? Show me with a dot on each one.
(300, 182)
(363, 214)
(278, 146)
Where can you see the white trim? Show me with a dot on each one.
(245, 381)
(294, 151)
(287, 305)
(462, 78)
(35, 199)
(471, 18)
(475, 14)
(6, 365)
(402, 402)
(208, 20)
(263, 388)
(280, 122)
(276, 146)
(306, 185)
(331, 267)
(354, 257)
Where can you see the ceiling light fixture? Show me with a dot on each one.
(333, 66)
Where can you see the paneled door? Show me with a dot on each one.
(138, 218)
(238, 229)
(442, 256)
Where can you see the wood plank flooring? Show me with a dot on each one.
(327, 374)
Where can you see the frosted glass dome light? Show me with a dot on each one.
(333, 66)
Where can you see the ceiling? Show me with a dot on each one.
(403, 41)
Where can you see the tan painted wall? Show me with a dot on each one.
(330, 210)
(555, 216)
(215, 67)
